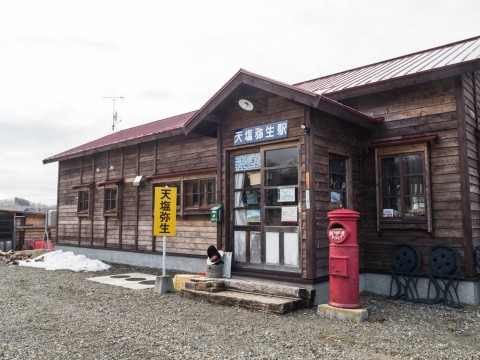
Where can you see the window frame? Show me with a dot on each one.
(401, 151)
(85, 211)
(180, 181)
(348, 180)
(171, 183)
(107, 211)
(202, 193)
(107, 186)
(82, 189)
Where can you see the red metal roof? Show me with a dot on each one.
(137, 132)
(440, 57)
(462, 52)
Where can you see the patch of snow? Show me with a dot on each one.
(60, 260)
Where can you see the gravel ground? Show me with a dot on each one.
(60, 315)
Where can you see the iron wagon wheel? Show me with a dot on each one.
(406, 259)
(444, 261)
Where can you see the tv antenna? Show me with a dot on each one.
(115, 119)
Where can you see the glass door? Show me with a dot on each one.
(265, 208)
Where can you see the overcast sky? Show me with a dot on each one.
(60, 58)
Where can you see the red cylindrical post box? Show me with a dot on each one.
(343, 259)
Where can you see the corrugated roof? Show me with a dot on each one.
(137, 132)
(432, 59)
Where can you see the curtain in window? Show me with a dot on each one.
(240, 215)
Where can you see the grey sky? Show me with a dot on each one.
(60, 58)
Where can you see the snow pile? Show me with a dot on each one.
(59, 260)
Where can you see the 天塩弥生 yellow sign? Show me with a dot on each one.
(165, 211)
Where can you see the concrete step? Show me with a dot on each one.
(267, 303)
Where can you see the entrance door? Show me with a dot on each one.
(265, 208)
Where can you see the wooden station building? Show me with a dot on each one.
(397, 141)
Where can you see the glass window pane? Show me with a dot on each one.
(391, 203)
(272, 197)
(337, 181)
(390, 166)
(413, 185)
(273, 217)
(391, 187)
(412, 164)
(280, 177)
(287, 156)
(337, 165)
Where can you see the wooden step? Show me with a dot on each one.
(270, 289)
(267, 303)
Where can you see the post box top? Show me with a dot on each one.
(343, 214)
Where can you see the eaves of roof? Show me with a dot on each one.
(308, 98)
(132, 136)
(439, 62)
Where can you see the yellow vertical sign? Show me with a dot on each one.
(165, 211)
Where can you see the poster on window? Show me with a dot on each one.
(247, 162)
(254, 178)
(289, 214)
(253, 215)
(252, 198)
(388, 213)
(286, 194)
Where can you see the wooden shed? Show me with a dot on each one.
(396, 141)
(19, 228)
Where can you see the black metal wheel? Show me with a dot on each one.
(443, 261)
(405, 258)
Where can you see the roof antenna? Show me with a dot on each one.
(115, 120)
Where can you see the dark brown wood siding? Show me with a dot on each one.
(132, 228)
(408, 112)
(471, 96)
(337, 137)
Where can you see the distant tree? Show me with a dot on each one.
(22, 202)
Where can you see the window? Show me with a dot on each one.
(403, 195)
(194, 196)
(83, 204)
(281, 187)
(84, 199)
(199, 193)
(175, 184)
(338, 181)
(403, 186)
(111, 199)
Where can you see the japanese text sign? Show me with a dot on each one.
(265, 132)
(165, 211)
